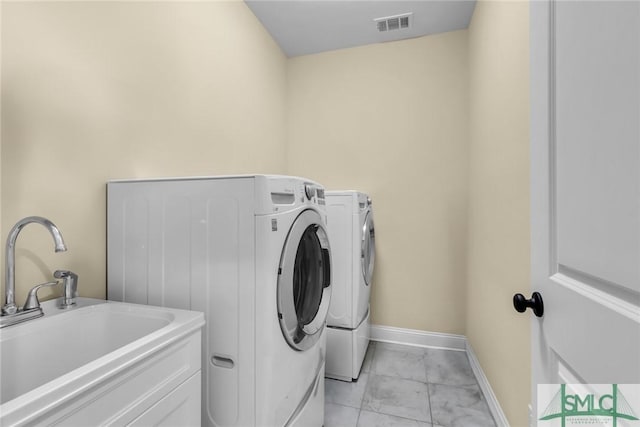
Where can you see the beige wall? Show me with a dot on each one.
(93, 91)
(391, 120)
(499, 200)
(434, 128)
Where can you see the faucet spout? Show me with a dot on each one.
(10, 256)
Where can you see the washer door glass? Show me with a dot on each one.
(304, 281)
(368, 248)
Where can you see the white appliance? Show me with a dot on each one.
(352, 237)
(252, 253)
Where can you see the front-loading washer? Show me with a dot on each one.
(352, 235)
(252, 253)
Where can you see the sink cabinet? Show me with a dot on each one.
(143, 394)
(154, 380)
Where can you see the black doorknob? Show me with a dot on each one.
(520, 303)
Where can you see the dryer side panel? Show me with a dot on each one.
(340, 230)
(189, 244)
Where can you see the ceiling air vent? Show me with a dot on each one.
(392, 23)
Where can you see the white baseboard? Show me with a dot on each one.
(418, 338)
(489, 395)
(449, 342)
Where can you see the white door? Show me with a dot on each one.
(585, 138)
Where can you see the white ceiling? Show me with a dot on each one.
(303, 27)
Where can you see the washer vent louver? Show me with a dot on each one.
(392, 23)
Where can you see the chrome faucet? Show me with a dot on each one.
(10, 284)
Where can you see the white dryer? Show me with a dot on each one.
(252, 253)
(352, 237)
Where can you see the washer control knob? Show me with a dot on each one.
(310, 191)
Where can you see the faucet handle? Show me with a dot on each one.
(32, 299)
(70, 286)
(9, 308)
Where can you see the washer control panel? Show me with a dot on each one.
(314, 193)
(309, 191)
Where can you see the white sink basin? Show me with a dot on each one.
(68, 351)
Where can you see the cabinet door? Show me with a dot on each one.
(181, 407)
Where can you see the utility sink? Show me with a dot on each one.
(51, 365)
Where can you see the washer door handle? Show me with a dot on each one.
(326, 268)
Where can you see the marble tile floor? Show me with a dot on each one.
(408, 386)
